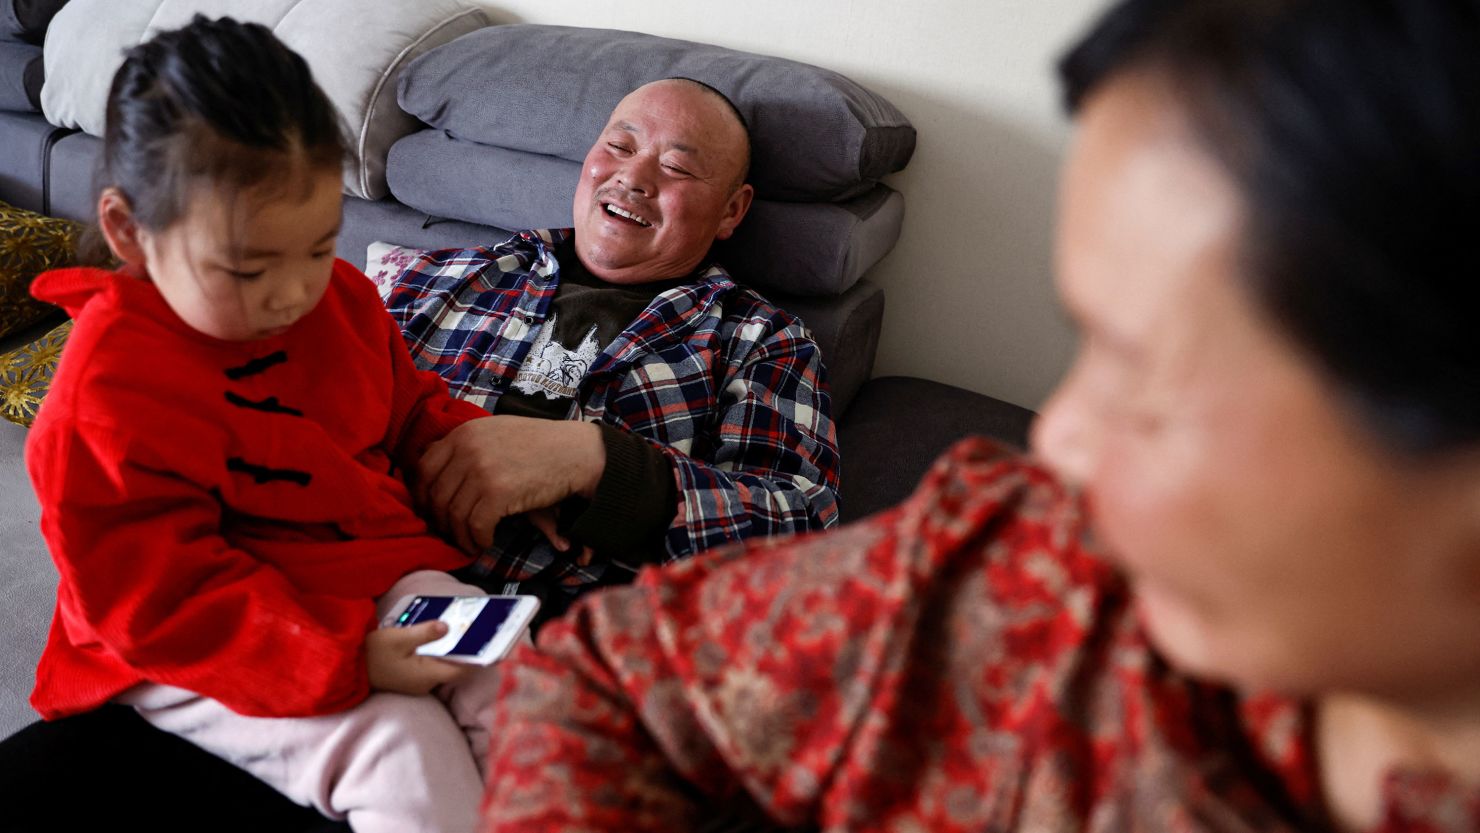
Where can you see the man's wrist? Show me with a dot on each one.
(635, 501)
(590, 452)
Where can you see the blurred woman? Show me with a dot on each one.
(1240, 588)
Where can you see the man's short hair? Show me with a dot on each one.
(739, 117)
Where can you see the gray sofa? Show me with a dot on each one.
(889, 428)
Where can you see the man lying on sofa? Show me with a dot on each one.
(645, 406)
(702, 412)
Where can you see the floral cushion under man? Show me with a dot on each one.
(385, 261)
(30, 244)
(25, 374)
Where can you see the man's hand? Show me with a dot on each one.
(488, 469)
(547, 521)
(390, 654)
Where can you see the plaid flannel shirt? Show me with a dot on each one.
(730, 388)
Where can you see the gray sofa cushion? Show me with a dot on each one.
(441, 176)
(368, 221)
(847, 330)
(899, 425)
(797, 248)
(27, 19)
(74, 160)
(21, 73)
(814, 249)
(816, 135)
(24, 140)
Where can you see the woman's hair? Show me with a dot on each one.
(218, 103)
(1352, 129)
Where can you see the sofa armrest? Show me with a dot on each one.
(897, 426)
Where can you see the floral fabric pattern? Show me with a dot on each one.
(26, 373)
(30, 244)
(965, 662)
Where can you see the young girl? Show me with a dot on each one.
(218, 460)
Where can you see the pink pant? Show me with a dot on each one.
(392, 763)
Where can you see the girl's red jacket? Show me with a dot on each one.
(223, 514)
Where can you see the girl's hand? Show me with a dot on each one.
(390, 654)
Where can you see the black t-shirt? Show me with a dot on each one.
(637, 497)
(585, 315)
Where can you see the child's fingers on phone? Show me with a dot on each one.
(392, 661)
(414, 636)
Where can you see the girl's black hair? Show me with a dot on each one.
(218, 101)
(1352, 129)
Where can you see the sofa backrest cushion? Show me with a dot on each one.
(356, 49)
(26, 20)
(21, 74)
(801, 248)
(815, 134)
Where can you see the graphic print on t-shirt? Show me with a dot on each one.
(553, 369)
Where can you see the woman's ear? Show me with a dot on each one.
(116, 221)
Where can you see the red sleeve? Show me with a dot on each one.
(422, 409)
(783, 669)
(146, 576)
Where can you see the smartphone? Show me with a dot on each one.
(480, 629)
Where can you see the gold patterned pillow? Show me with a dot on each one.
(25, 374)
(30, 243)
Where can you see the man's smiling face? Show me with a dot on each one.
(660, 184)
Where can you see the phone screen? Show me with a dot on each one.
(472, 621)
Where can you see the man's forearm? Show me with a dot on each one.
(634, 502)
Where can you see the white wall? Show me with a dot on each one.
(969, 298)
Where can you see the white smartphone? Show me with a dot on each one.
(480, 629)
